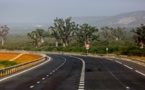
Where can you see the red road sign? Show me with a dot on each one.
(87, 46)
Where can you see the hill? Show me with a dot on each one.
(130, 19)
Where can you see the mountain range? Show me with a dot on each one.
(128, 20)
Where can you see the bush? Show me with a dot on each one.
(7, 63)
(136, 51)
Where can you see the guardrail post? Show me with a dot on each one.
(0, 73)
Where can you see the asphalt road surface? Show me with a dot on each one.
(64, 72)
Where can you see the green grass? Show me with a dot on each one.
(6, 63)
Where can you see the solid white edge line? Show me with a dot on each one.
(82, 78)
(25, 70)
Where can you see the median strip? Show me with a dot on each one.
(24, 71)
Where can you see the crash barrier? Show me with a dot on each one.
(19, 67)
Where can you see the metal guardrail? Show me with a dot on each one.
(19, 67)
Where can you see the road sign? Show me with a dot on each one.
(87, 46)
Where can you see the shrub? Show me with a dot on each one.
(7, 63)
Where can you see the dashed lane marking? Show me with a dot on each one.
(81, 84)
(118, 62)
(50, 72)
(114, 76)
(127, 87)
(32, 86)
(128, 66)
(38, 82)
(140, 72)
(43, 78)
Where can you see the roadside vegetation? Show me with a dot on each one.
(6, 63)
(5, 59)
(68, 36)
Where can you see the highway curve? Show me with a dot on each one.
(63, 72)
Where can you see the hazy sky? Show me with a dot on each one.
(29, 11)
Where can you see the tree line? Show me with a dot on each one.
(65, 30)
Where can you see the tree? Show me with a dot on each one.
(118, 33)
(42, 34)
(37, 37)
(106, 32)
(139, 36)
(3, 32)
(86, 33)
(63, 30)
(55, 33)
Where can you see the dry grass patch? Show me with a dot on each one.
(27, 58)
(139, 57)
(8, 56)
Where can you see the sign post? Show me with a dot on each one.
(106, 50)
(87, 48)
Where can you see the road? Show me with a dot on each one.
(63, 72)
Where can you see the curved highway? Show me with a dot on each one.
(64, 72)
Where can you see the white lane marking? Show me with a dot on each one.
(118, 62)
(127, 87)
(81, 87)
(43, 78)
(82, 78)
(128, 66)
(31, 86)
(38, 82)
(114, 76)
(25, 70)
(81, 84)
(140, 72)
(53, 70)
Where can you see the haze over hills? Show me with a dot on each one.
(129, 20)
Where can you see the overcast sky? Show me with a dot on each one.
(29, 11)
